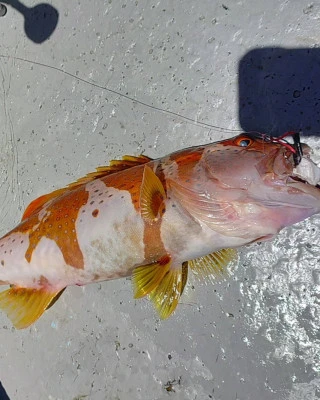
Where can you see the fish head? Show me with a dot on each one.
(273, 173)
(251, 185)
(250, 158)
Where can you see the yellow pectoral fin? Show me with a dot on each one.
(166, 295)
(24, 306)
(213, 265)
(152, 196)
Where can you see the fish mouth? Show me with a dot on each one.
(295, 148)
(289, 155)
(305, 180)
(305, 173)
(300, 186)
(294, 178)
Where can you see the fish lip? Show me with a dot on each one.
(293, 180)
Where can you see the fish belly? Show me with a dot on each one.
(112, 243)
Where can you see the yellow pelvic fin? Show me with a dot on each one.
(166, 295)
(152, 196)
(24, 306)
(115, 166)
(213, 265)
(147, 277)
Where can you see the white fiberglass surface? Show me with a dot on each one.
(130, 77)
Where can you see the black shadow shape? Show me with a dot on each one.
(39, 21)
(279, 91)
(3, 393)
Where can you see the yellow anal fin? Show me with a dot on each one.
(24, 306)
(213, 265)
(166, 295)
(147, 277)
(152, 196)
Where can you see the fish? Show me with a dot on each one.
(157, 220)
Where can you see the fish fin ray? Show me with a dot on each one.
(216, 212)
(55, 299)
(152, 196)
(165, 297)
(115, 166)
(184, 273)
(147, 277)
(213, 265)
(24, 306)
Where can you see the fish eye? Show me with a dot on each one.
(244, 142)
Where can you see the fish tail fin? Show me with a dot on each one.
(24, 306)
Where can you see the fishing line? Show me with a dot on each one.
(127, 97)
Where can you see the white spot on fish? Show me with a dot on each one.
(115, 243)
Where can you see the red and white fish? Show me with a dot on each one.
(155, 219)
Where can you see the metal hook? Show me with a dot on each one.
(297, 156)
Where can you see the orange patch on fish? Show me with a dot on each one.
(188, 156)
(129, 180)
(152, 203)
(154, 248)
(59, 219)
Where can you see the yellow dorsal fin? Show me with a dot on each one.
(129, 161)
(166, 295)
(115, 166)
(24, 306)
(213, 265)
(147, 277)
(152, 196)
